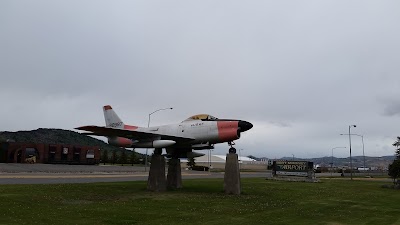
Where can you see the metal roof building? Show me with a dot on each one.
(218, 162)
(218, 158)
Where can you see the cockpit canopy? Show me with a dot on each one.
(202, 117)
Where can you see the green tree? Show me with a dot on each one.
(104, 157)
(114, 157)
(191, 163)
(397, 145)
(394, 170)
(123, 157)
(132, 157)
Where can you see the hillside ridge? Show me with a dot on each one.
(55, 136)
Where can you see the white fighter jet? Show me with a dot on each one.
(195, 133)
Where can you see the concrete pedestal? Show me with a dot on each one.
(174, 177)
(232, 175)
(156, 180)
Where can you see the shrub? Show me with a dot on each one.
(394, 171)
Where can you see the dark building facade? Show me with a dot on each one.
(11, 152)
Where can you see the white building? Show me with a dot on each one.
(218, 159)
(218, 162)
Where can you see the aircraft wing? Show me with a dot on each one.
(131, 134)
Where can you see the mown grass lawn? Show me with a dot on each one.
(202, 202)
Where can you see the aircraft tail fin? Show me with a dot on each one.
(112, 119)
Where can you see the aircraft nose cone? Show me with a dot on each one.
(244, 126)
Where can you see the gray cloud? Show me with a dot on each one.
(312, 67)
(392, 110)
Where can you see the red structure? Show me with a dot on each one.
(11, 152)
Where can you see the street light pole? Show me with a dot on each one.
(362, 140)
(292, 157)
(148, 125)
(332, 157)
(351, 162)
(209, 159)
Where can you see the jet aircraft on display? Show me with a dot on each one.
(198, 132)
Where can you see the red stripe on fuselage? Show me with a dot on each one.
(129, 127)
(227, 130)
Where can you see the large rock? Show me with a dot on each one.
(232, 175)
(156, 180)
(174, 177)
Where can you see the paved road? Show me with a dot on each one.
(61, 168)
(14, 173)
(56, 174)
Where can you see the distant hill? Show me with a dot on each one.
(55, 136)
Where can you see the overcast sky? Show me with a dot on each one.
(300, 71)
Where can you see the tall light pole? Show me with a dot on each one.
(148, 125)
(351, 162)
(292, 157)
(362, 140)
(240, 159)
(332, 157)
(209, 168)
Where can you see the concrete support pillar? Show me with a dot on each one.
(232, 175)
(174, 177)
(156, 180)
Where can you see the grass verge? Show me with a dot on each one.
(202, 202)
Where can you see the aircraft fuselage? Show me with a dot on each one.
(203, 132)
(198, 132)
